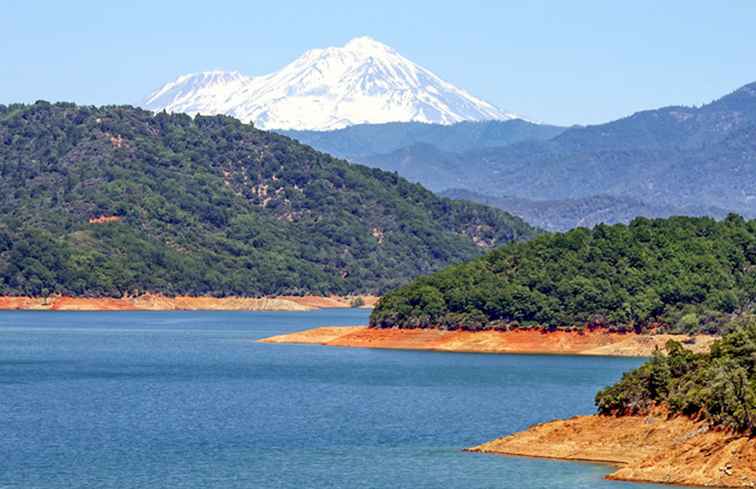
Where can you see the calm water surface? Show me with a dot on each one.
(189, 400)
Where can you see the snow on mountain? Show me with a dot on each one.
(362, 82)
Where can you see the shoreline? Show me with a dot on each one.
(652, 448)
(521, 341)
(156, 302)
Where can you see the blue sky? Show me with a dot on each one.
(557, 61)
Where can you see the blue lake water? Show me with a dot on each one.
(189, 400)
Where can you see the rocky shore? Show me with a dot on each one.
(651, 448)
(595, 342)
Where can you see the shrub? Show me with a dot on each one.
(719, 386)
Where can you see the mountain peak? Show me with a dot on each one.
(366, 44)
(364, 81)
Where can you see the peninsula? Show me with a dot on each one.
(681, 418)
(651, 448)
(528, 341)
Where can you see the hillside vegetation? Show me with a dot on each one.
(680, 274)
(208, 205)
(719, 386)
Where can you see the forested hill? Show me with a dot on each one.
(116, 200)
(680, 274)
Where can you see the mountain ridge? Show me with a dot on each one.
(708, 152)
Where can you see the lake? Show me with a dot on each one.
(190, 400)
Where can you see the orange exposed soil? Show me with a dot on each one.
(647, 448)
(105, 219)
(26, 303)
(330, 301)
(597, 342)
(151, 302)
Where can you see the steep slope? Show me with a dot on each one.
(115, 200)
(363, 81)
(563, 215)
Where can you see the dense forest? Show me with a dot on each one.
(117, 200)
(682, 274)
(719, 386)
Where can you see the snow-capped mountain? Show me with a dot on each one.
(362, 82)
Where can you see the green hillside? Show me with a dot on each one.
(209, 205)
(679, 274)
